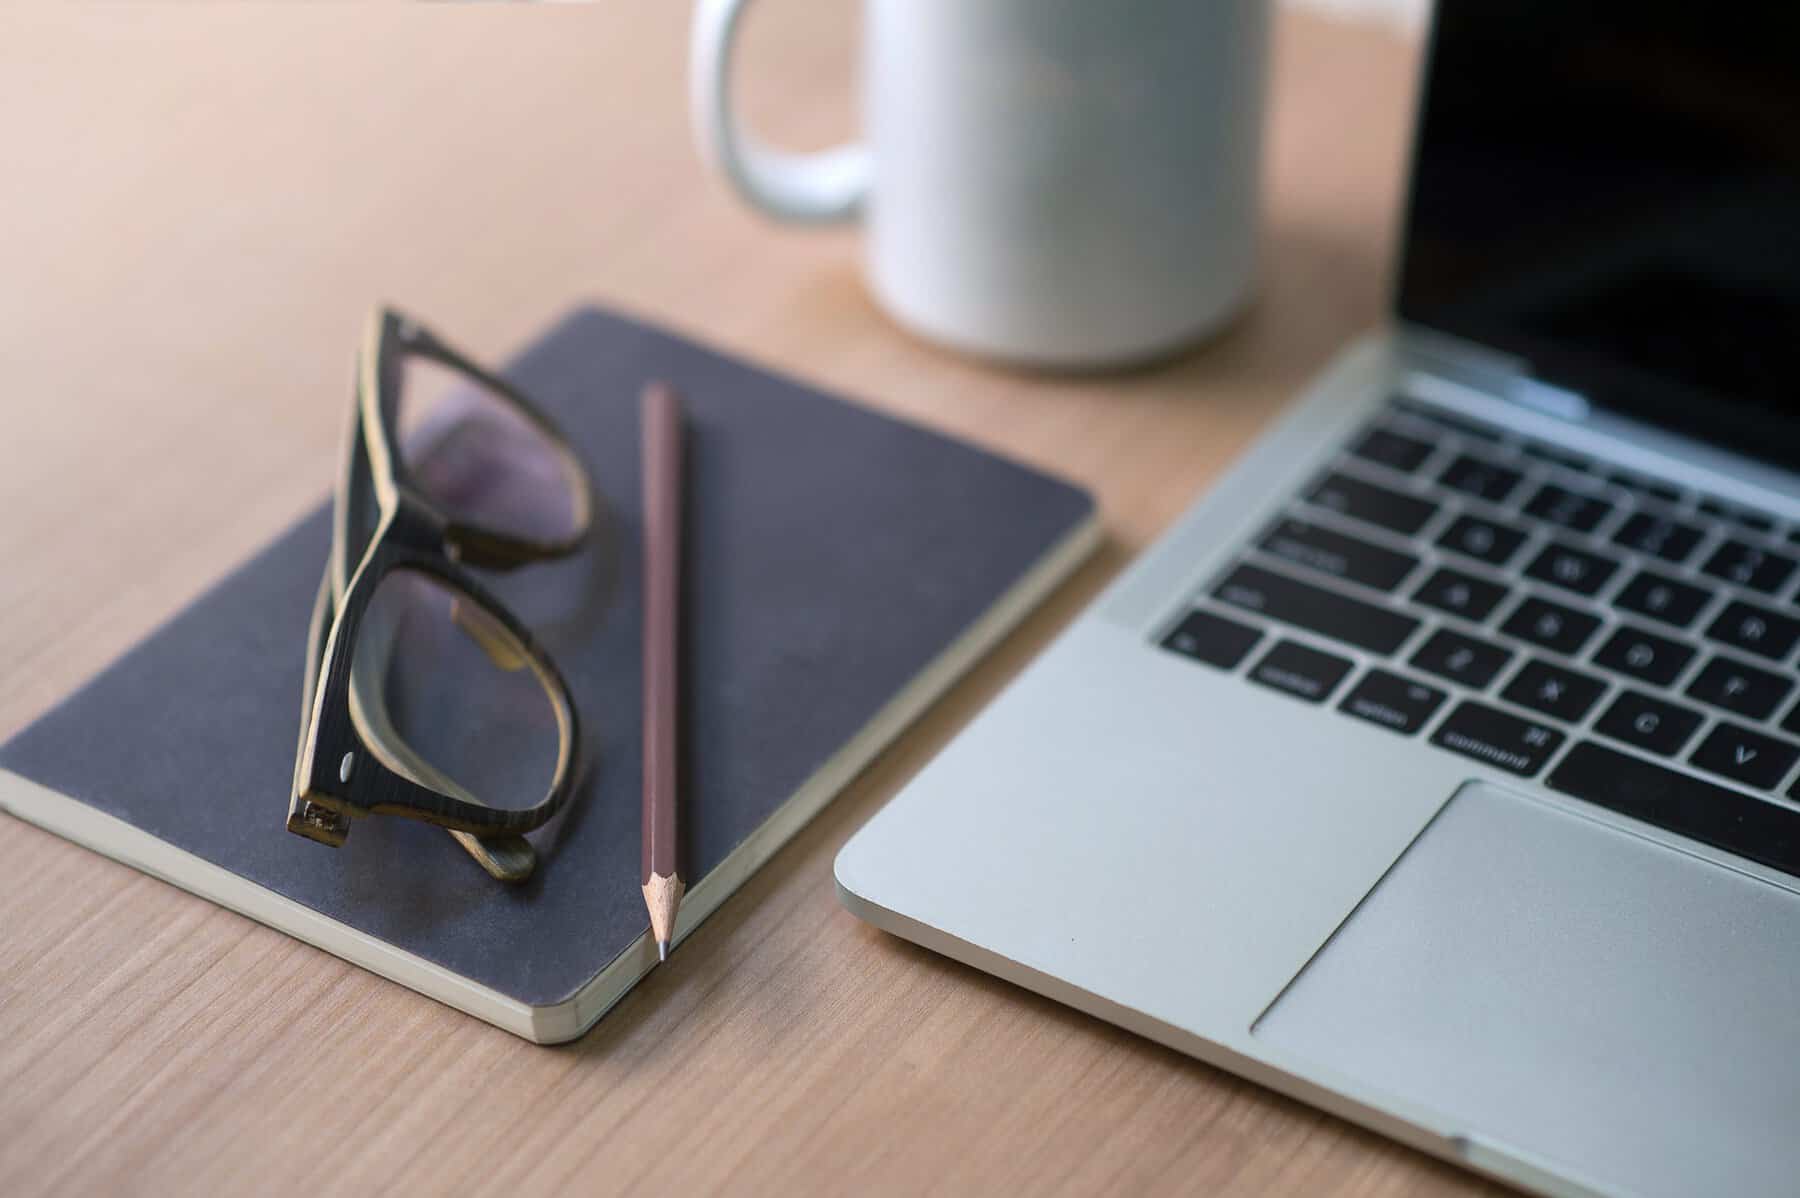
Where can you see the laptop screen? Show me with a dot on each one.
(1611, 190)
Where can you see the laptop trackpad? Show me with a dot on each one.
(1571, 993)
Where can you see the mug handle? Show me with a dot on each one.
(829, 185)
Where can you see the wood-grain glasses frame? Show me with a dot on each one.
(350, 762)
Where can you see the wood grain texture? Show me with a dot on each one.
(198, 206)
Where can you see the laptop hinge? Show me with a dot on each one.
(1504, 375)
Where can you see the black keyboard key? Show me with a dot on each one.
(1370, 502)
(1302, 672)
(1740, 688)
(1212, 639)
(1747, 566)
(1662, 598)
(1396, 451)
(1484, 540)
(1497, 738)
(1557, 628)
(1338, 555)
(1364, 625)
(1571, 509)
(1484, 480)
(1649, 723)
(1754, 521)
(1572, 569)
(1658, 535)
(1563, 693)
(1644, 486)
(1458, 424)
(1655, 659)
(1741, 755)
(1392, 701)
(1461, 658)
(1558, 457)
(1755, 630)
(1460, 594)
(1761, 831)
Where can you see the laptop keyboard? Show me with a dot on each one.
(1617, 637)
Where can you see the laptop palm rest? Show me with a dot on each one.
(1603, 1002)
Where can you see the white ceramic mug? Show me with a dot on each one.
(1060, 183)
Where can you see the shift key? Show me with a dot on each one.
(1364, 625)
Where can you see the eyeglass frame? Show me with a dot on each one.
(349, 763)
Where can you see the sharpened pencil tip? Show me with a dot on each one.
(662, 896)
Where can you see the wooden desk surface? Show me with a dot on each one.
(197, 205)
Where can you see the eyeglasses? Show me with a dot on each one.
(486, 482)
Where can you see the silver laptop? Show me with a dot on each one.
(1440, 767)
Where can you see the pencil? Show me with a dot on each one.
(663, 885)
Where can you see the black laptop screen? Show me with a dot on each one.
(1611, 190)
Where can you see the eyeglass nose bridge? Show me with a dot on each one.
(416, 526)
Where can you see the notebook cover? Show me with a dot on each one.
(831, 554)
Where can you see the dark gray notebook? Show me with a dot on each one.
(841, 567)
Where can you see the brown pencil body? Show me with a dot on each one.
(661, 872)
